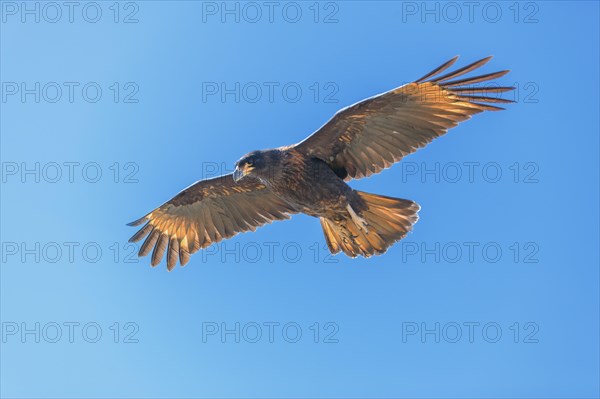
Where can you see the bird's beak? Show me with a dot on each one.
(239, 173)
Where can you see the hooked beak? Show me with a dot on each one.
(238, 173)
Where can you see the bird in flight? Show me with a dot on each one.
(310, 177)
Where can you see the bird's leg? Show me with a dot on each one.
(360, 222)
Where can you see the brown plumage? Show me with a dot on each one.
(309, 177)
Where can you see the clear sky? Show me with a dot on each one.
(109, 109)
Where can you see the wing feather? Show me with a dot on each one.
(159, 249)
(439, 69)
(462, 71)
(143, 232)
(172, 253)
(149, 243)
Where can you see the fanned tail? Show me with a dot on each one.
(385, 221)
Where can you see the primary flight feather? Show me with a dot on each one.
(310, 177)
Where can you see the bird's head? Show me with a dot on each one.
(256, 164)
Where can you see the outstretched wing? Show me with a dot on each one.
(371, 135)
(204, 213)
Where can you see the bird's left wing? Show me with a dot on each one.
(205, 213)
(371, 135)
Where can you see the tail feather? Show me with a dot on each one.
(387, 220)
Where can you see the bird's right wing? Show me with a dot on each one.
(373, 134)
(205, 213)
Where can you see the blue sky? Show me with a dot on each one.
(109, 110)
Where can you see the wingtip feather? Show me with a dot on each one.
(462, 71)
(138, 221)
(439, 69)
(476, 79)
